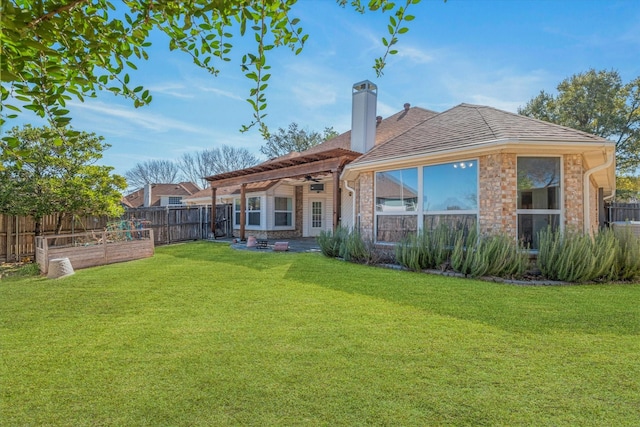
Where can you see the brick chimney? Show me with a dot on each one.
(363, 116)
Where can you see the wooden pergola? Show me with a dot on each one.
(292, 166)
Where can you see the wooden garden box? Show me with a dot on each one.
(94, 248)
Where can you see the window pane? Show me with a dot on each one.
(393, 228)
(453, 222)
(539, 183)
(253, 203)
(397, 191)
(529, 225)
(451, 186)
(253, 218)
(282, 218)
(283, 203)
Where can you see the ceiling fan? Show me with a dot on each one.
(310, 178)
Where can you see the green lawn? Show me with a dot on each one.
(202, 335)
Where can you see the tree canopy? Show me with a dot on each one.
(53, 51)
(60, 179)
(195, 167)
(153, 172)
(284, 141)
(597, 102)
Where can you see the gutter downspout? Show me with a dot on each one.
(585, 190)
(353, 204)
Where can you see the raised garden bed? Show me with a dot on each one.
(94, 248)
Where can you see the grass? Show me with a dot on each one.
(203, 335)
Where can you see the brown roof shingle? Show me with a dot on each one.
(465, 126)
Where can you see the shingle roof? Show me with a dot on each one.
(136, 198)
(466, 126)
(387, 129)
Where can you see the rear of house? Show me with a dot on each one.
(468, 166)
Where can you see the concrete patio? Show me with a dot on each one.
(300, 244)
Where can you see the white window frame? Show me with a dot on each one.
(559, 212)
(236, 210)
(291, 212)
(420, 212)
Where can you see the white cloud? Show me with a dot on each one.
(414, 54)
(149, 121)
(177, 90)
(221, 92)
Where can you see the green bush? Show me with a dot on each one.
(627, 260)
(426, 249)
(578, 257)
(354, 249)
(331, 242)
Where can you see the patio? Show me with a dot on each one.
(300, 244)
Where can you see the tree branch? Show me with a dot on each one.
(55, 12)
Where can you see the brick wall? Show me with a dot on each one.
(498, 193)
(366, 204)
(572, 189)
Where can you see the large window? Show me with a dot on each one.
(397, 191)
(539, 197)
(283, 211)
(423, 198)
(450, 195)
(253, 211)
(396, 204)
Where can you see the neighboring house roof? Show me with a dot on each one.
(468, 126)
(136, 199)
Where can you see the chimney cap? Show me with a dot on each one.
(407, 106)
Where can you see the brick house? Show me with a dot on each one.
(469, 165)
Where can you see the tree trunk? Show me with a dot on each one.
(61, 216)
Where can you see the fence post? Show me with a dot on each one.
(168, 227)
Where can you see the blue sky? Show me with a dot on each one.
(499, 53)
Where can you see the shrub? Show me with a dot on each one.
(331, 242)
(627, 260)
(354, 249)
(578, 257)
(426, 249)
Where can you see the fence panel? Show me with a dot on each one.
(620, 212)
(169, 224)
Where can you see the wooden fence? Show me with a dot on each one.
(169, 224)
(620, 212)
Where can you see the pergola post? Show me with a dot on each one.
(336, 198)
(213, 211)
(243, 210)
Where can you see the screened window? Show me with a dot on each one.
(539, 197)
(283, 211)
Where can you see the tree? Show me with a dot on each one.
(54, 51)
(597, 102)
(293, 138)
(61, 178)
(153, 172)
(214, 161)
(628, 188)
